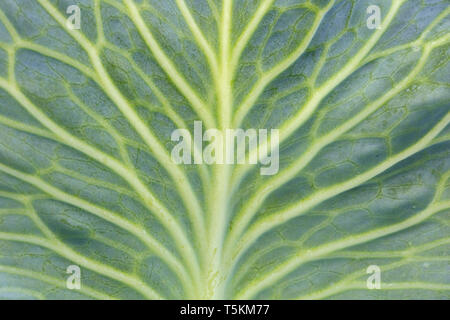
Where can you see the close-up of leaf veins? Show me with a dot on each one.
(225, 149)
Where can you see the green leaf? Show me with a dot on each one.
(87, 178)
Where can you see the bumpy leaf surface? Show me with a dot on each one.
(87, 179)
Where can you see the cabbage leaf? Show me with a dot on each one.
(87, 178)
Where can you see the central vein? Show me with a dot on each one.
(218, 203)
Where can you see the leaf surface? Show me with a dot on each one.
(87, 178)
